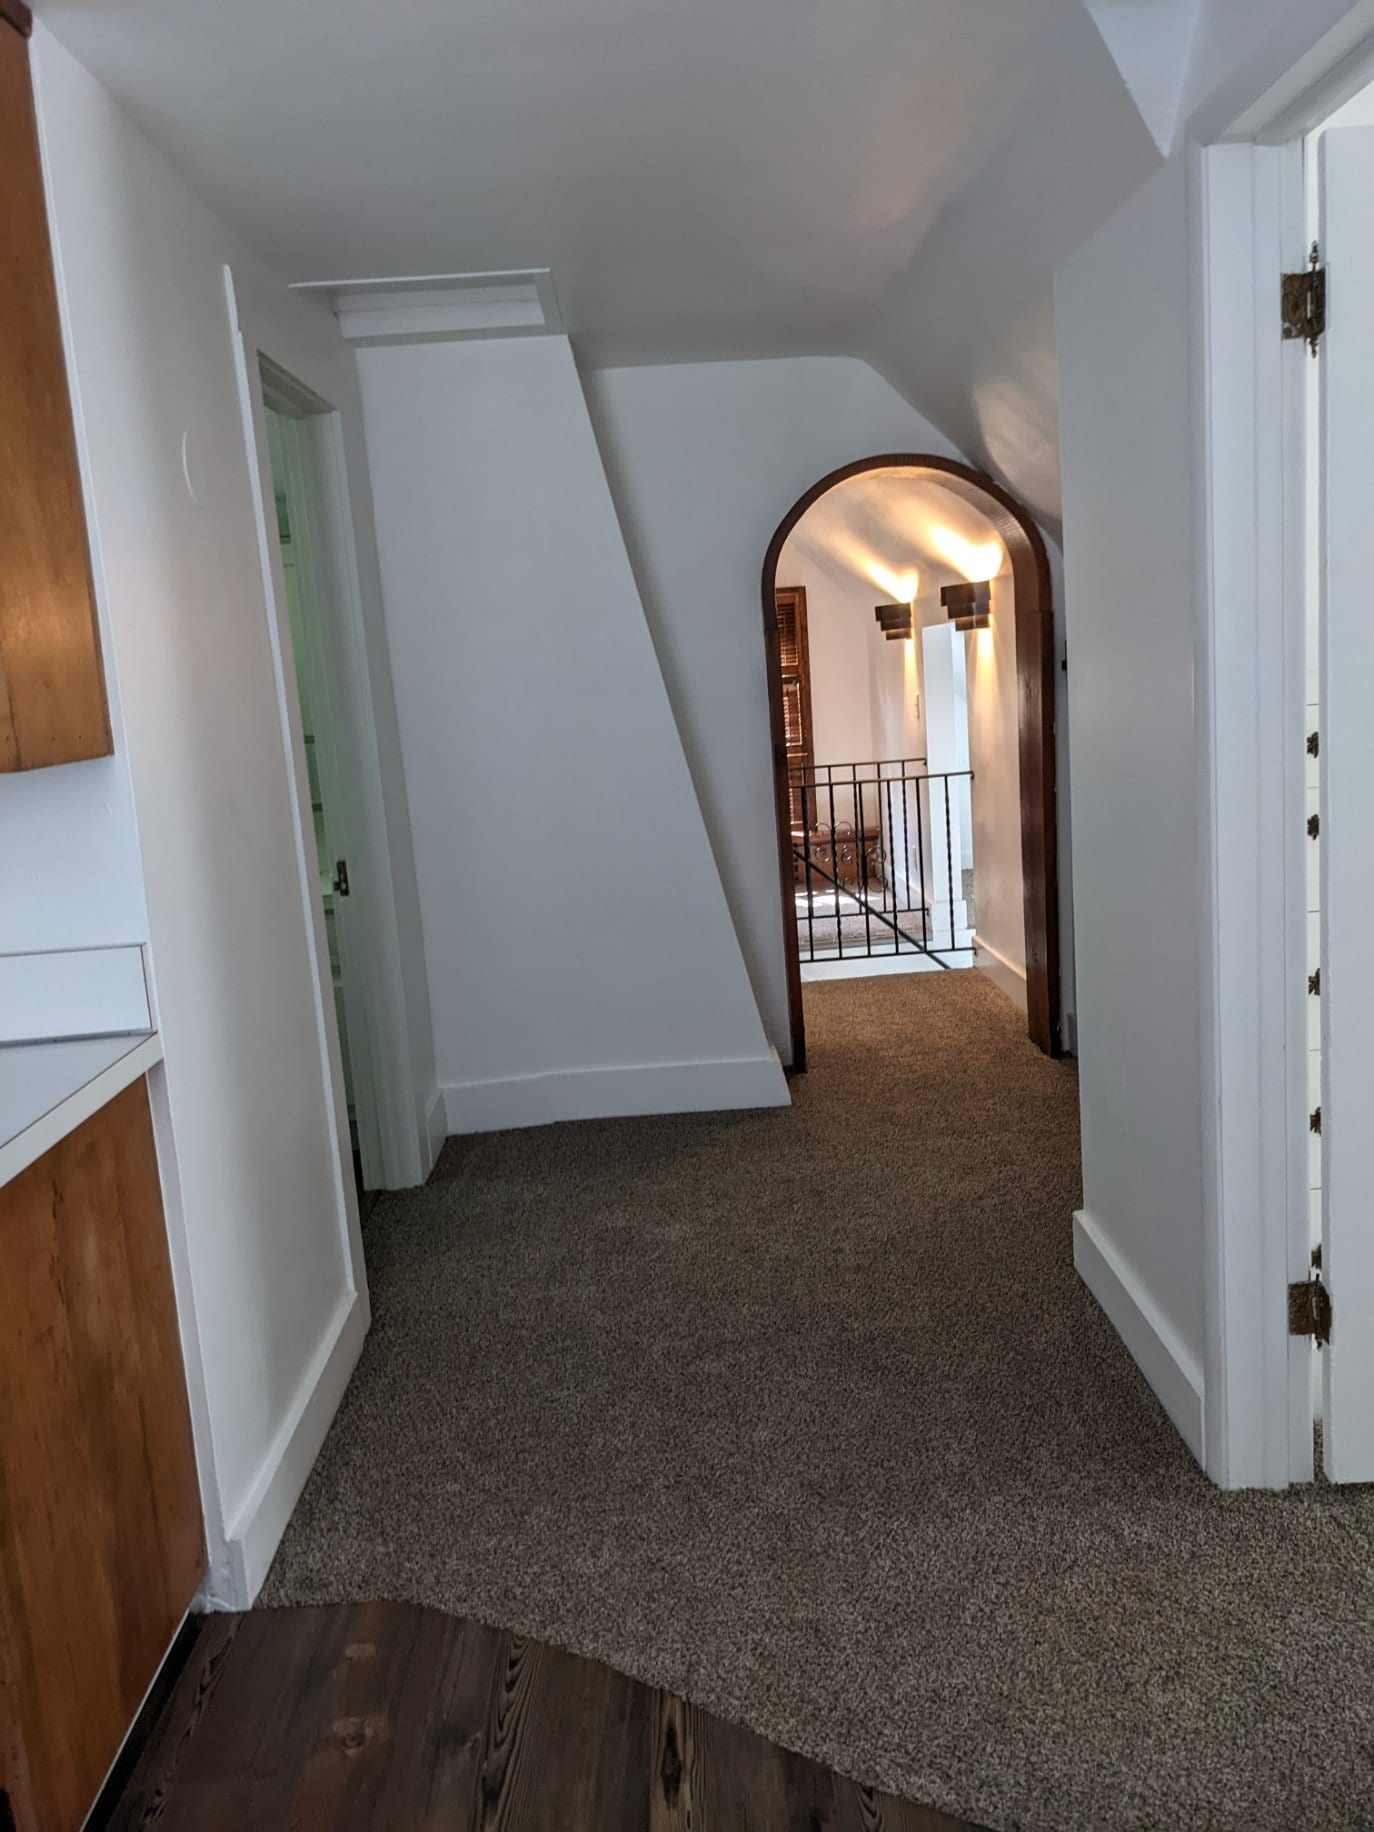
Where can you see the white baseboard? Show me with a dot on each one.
(598, 1094)
(256, 1529)
(1005, 975)
(434, 1134)
(1170, 1367)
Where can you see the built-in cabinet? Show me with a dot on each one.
(101, 1538)
(53, 707)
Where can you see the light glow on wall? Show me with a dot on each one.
(901, 588)
(976, 560)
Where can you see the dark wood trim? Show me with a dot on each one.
(782, 798)
(1033, 609)
(141, 1731)
(15, 13)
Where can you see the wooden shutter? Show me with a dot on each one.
(794, 663)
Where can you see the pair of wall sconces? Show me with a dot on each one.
(969, 607)
(895, 620)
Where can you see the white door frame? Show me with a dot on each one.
(308, 451)
(315, 372)
(1249, 226)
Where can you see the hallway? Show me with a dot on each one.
(804, 1415)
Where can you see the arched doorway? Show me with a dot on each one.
(1032, 599)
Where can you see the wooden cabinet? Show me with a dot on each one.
(53, 707)
(101, 1542)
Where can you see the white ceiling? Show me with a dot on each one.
(891, 178)
(896, 535)
(702, 175)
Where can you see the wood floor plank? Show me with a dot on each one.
(389, 1718)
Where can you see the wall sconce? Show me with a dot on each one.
(969, 607)
(895, 620)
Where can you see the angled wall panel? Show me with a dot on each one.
(582, 959)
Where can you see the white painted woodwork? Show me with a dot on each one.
(81, 992)
(1347, 759)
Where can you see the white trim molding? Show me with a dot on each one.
(255, 1532)
(1005, 975)
(430, 307)
(434, 1133)
(74, 992)
(615, 1093)
(307, 352)
(1156, 1347)
(1249, 227)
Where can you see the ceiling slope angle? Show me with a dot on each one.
(1151, 42)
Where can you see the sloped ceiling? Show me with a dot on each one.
(896, 535)
(894, 179)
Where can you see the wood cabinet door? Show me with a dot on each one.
(52, 682)
(101, 1542)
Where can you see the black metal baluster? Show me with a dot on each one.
(921, 861)
(905, 843)
(810, 884)
(835, 867)
(949, 860)
(867, 888)
(893, 874)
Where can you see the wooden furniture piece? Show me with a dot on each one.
(53, 707)
(385, 1715)
(794, 672)
(101, 1541)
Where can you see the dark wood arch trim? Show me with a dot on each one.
(1033, 610)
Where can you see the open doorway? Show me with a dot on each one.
(294, 488)
(908, 621)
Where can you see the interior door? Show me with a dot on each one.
(1346, 177)
(331, 796)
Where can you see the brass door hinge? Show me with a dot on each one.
(1309, 1310)
(1304, 302)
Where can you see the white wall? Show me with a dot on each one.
(69, 844)
(580, 950)
(70, 875)
(271, 1301)
(704, 461)
(994, 757)
(1123, 321)
(898, 709)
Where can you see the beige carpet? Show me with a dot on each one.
(805, 1415)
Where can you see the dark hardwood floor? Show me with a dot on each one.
(386, 1718)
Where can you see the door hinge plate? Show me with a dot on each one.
(1304, 303)
(1309, 1311)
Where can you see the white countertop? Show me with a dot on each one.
(48, 1089)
